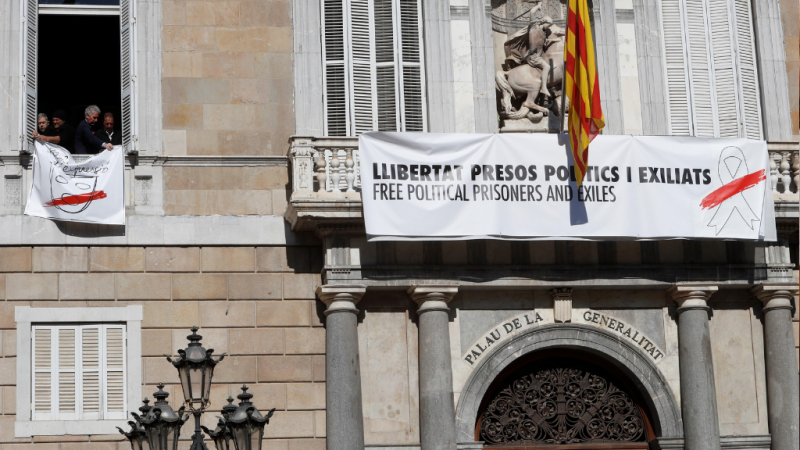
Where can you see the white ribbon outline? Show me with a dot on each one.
(737, 202)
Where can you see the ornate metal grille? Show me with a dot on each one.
(561, 406)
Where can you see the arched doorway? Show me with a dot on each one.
(613, 359)
(551, 400)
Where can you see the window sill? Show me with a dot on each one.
(66, 427)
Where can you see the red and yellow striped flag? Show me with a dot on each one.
(582, 86)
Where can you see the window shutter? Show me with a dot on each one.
(410, 55)
(676, 73)
(702, 94)
(723, 61)
(90, 372)
(67, 370)
(334, 79)
(374, 74)
(43, 382)
(127, 23)
(748, 77)
(114, 372)
(361, 65)
(386, 67)
(30, 11)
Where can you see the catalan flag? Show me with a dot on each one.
(582, 87)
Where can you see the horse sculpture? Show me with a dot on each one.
(523, 79)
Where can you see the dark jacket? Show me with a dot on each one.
(115, 139)
(85, 141)
(66, 133)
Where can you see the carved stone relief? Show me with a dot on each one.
(531, 68)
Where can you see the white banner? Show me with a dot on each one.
(522, 186)
(90, 191)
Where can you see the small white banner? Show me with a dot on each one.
(522, 186)
(90, 191)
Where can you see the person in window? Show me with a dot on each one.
(108, 133)
(42, 123)
(85, 140)
(60, 133)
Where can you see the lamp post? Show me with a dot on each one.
(158, 428)
(195, 369)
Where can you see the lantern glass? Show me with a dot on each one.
(255, 436)
(183, 373)
(196, 375)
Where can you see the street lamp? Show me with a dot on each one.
(159, 426)
(195, 369)
(246, 424)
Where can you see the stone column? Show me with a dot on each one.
(783, 409)
(437, 414)
(345, 421)
(698, 392)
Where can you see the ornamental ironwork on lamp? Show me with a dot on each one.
(246, 424)
(195, 369)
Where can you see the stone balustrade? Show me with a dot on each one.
(784, 169)
(328, 164)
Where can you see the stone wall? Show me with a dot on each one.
(225, 190)
(227, 77)
(256, 304)
(791, 38)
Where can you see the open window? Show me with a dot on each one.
(373, 66)
(76, 53)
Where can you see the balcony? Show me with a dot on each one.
(326, 182)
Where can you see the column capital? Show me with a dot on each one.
(341, 298)
(775, 295)
(689, 296)
(433, 297)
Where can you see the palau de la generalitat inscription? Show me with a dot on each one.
(521, 323)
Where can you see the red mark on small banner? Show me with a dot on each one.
(72, 200)
(736, 186)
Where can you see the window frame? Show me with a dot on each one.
(26, 318)
(30, 10)
(364, 66)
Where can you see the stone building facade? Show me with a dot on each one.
(241, 107)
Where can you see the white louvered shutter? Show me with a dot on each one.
(724, 69)
(716, 43)
(374, 74)
(700, 76)
(337, 121)
(676, 68)
(750, 97)
(410, 55)
(386, 66)
(114, 372)
(43, 381)
(79, 372)
(30, 16)
(361, 66)
(67, 373)
(127, 24)
(91, 371)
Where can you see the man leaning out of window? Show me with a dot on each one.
(109, 132)
(85, 140)
(60, 133)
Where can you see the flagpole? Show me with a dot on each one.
(563, 93)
